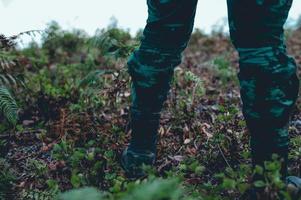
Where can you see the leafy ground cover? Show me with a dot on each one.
(65, 111)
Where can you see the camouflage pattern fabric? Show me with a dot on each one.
(268, 81)
(151, 67)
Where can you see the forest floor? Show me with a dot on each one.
(74, 122)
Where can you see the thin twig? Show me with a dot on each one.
(224, 157)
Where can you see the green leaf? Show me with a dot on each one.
(243, 187)
(258, 170)
(52, 184)
(259, 184)
(229, 183)
(75, 180)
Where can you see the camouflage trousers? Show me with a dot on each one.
(268, 81)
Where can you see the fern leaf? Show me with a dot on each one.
(11, 81)
(4, 80)
(8, 106)
(6, 60)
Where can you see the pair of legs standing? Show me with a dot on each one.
(268, 81)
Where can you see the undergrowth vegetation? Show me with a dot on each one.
(64, 108)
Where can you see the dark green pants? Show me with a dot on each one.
(269, 85)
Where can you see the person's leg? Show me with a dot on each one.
(268, 81)
(168, 29)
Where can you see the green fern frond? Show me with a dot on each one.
(11, 81)
(8, 106)
(6, 60)
(4, 80)
(7, 79)
(7, 63)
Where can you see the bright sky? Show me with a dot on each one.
(22, 15)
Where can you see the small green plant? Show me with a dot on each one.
(224, 69)
(53, 186)
(62, 150)
(114, 42)
(270, 186)
(234, 181)
(38, 167)
(188, 90)
(35, 194)
(7, 180)
(274, 187)
(295, 153)
(198, 89)
(226, 113)
(191, 166)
